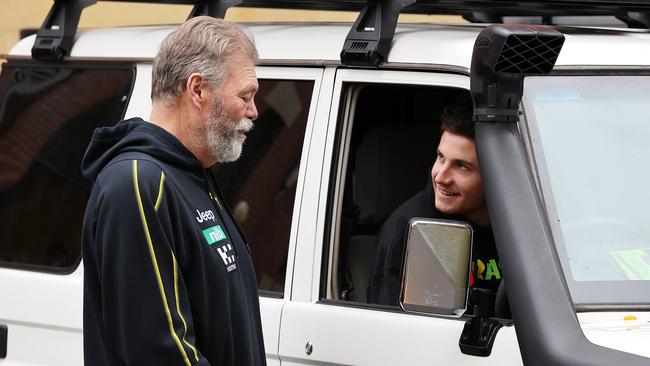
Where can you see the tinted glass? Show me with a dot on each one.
(260, 187)
(47, 116)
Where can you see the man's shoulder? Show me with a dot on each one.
(127, 169)
(421, 204)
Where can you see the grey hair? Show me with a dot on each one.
(201, 45)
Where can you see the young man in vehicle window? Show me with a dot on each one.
(455, 192)
(168, 278)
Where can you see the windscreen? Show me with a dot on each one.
(590, 138)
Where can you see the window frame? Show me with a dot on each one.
(294, 73)
(343, 126)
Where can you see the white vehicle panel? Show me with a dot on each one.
(140, 100)
(594, 50)
(32, 345)
(49, 318)
(355, 336)
(624, 331)
(55, 300)
(310, 230)
(271, 314)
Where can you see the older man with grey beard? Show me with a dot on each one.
(168, 278)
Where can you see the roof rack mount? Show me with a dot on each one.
(370, 38)
(54, 39)
(215, 9)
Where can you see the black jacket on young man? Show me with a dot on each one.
(168, 278)
(385, 278)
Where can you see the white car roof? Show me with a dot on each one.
(417, 45)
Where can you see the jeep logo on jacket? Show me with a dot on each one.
(205, 216)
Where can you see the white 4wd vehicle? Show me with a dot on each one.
(338, 146)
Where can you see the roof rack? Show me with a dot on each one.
(369, 40)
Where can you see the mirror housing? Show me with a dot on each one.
(436, 271)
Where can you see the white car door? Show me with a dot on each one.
(322, 324)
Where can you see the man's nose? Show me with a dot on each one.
(443, 175)
(251, 110)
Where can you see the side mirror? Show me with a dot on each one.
(436, 267)
(436, 281)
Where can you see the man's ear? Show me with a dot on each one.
(196, 89)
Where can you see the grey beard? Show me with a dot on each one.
(224, 141)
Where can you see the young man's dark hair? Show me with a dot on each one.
(457, 118)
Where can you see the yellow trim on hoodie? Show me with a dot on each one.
(178, 309)
(161, 286)
(160, 191)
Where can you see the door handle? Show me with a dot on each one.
(3, 341)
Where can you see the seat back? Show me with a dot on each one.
(391, 165)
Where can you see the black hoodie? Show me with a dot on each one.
(385, 279)
(168, 278)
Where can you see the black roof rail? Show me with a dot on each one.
(54, 39)
(369, 40)
(462, 7)
(636, 19)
